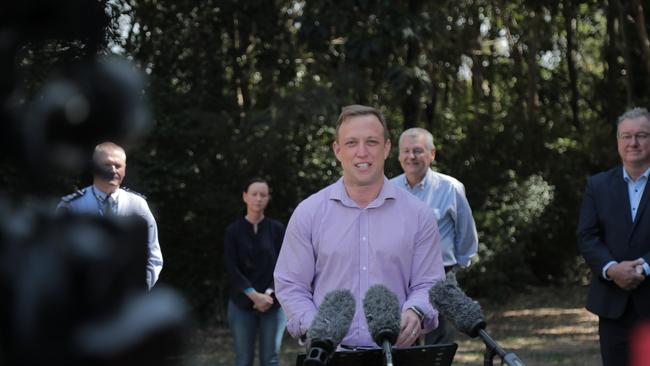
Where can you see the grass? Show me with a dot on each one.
(545, 326)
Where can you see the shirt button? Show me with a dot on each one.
(363, 238)
(364, 268)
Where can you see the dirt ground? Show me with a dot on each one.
(545, 326)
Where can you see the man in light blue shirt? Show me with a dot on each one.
(445, 195)
(106, 197)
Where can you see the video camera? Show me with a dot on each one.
(72, 287)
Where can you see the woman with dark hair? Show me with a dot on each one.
(252, 245)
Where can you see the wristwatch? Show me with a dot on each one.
(639, 269)
(418, 312)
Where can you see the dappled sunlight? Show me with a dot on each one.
(537, 312)
(536, 350)
(564, 330)
(546, 321)
(546, 335)
(565, 334)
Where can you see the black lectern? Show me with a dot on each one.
(433, 355)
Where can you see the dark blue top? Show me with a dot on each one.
(251, 257)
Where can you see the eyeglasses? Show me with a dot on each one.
(415, 152)
(640, 137)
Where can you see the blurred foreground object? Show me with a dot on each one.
(72, 295)
(640, 345)
(90, 104)
(70, 285)
(86, 100)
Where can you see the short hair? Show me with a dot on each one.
(107, 146)
(252, 181)
(634, 113)
(417, 131)
(355, 110)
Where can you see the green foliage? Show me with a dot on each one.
(252, 88)
(510, 222)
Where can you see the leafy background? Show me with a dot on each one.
(521, 97)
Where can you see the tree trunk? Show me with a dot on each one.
(532, 98)
(637, 11)
(626, 52)
(611, 61)
(517, 59)
(411, 110)
(239, 80)
(430, 111)
(477, 58)
(570, 25)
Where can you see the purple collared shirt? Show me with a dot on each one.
(332, 243)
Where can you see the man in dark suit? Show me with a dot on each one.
(614, 238)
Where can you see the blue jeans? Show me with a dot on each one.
(246, 324)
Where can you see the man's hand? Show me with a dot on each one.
(625, 275)
(262, 302)
(410, 328)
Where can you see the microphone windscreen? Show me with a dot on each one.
(453, 304)
(382, 314)
(334, 317)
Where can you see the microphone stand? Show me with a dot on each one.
(492, 349)
(319, 353)
(388, 353)
(386, 338)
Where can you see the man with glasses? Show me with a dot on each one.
(614, 239)
(445, 195)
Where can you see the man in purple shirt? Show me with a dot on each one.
(358, 232)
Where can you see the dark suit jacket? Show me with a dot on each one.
(606, 233)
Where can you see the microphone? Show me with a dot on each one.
(383, 317)
(454, 305)
(330, 325)
(466, 315)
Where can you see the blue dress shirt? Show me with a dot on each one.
(446, 196)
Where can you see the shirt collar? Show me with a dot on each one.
(251, 227)
(101, 195)
(338, 193)
(427, 180)
(628, 179)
